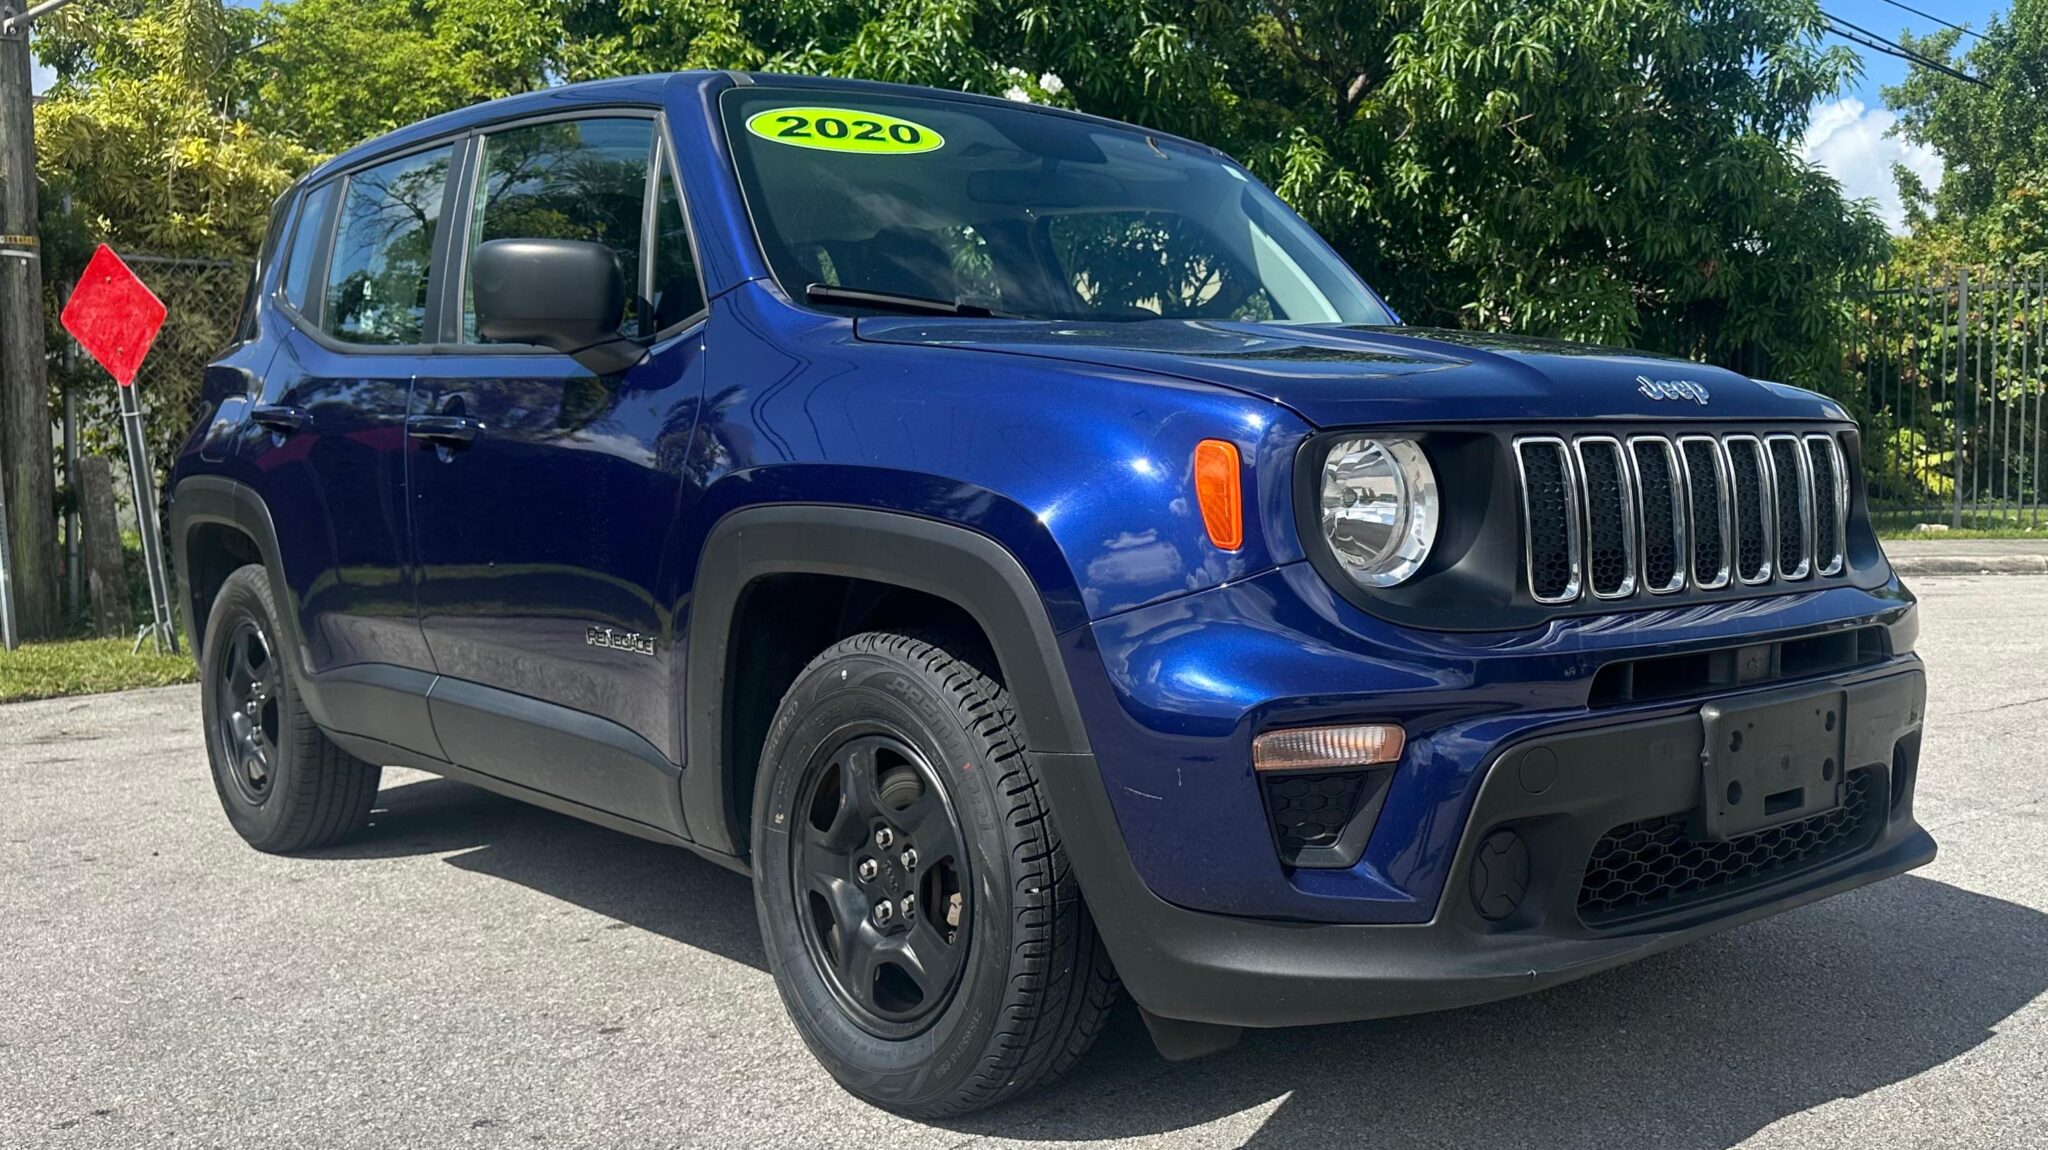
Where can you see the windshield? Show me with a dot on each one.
(1019, 213)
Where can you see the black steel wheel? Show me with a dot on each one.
(246, 709)
(881, 882)
(918, 912)
(283, 784)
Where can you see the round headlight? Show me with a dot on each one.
(1379, 508)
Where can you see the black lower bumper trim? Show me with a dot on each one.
(1230, 971)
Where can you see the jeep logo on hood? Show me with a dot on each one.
(1672, 389)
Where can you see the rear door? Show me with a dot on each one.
(359, 295)
(542, 513)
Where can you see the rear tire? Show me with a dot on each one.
(994, 981)
(284, 785)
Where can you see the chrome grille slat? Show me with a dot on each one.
(1751, 508)
(1609, 517)
(1792, 496)
(1660, 508)
(1550, 509)
(1830, 503)
(1706, 505)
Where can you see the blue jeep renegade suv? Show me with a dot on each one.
(1021, 546)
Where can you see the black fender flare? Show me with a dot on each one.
(951, 562)
(202, 499)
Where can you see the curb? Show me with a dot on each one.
(1970, 564)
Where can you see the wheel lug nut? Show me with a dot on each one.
(909, 907)
(884, 912)
(910, 858)
(884, 836)
(867, 870)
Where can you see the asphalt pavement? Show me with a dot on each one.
(477, 973)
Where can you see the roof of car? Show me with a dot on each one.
(648, 89)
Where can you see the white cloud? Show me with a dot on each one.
(1848, 139)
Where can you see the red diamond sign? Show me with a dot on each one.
(113, 315)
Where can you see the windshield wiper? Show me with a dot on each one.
(890, 301)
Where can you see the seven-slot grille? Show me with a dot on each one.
(1614, 517)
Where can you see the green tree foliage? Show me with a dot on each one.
(1615, 170)
(332, 73)
(1992, 205)
(144, 143)
(144, 132)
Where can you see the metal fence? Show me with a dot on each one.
(204, 299)
(1948, 376)
(1949, 382)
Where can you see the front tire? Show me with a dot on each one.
(917, 908)
(284, 785)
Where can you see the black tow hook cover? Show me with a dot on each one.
(1500, 875)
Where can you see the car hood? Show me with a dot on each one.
(1336, 375)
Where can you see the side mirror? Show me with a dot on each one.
(568, 295)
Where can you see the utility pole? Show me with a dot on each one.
(27, 472)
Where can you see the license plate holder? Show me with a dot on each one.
(1770, 760)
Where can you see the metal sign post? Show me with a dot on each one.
(10, 638)
(142, 481)
(115, 317)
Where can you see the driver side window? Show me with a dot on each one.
(588, 180)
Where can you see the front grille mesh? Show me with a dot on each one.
(1795, 496)
(1660, 496)
(1708, 504)
(1752, 510)
(1612, 519)
(1653, 865)
(1829, 500)
(1610, 541)
(1548, 509)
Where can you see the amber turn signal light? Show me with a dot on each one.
(1219, 491)
(1309, 748)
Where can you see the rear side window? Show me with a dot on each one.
(567, 180)
(245, 325)
(384, 251)
(306, 233)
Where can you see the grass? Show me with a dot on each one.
(1967, 533)
(1989, 523)
(88, 667)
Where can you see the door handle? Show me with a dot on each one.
(443, 429)
(279, 417)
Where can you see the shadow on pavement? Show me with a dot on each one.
(1698, 1048)
(663, 889)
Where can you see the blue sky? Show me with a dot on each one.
(1847, 136)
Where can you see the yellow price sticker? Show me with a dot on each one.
(844, 130)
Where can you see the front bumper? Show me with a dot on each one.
(1233, 970)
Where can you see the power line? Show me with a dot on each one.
(1858, 35)
(1936, 19)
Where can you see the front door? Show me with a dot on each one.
(544, 495)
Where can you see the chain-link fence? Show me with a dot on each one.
(204, 299)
